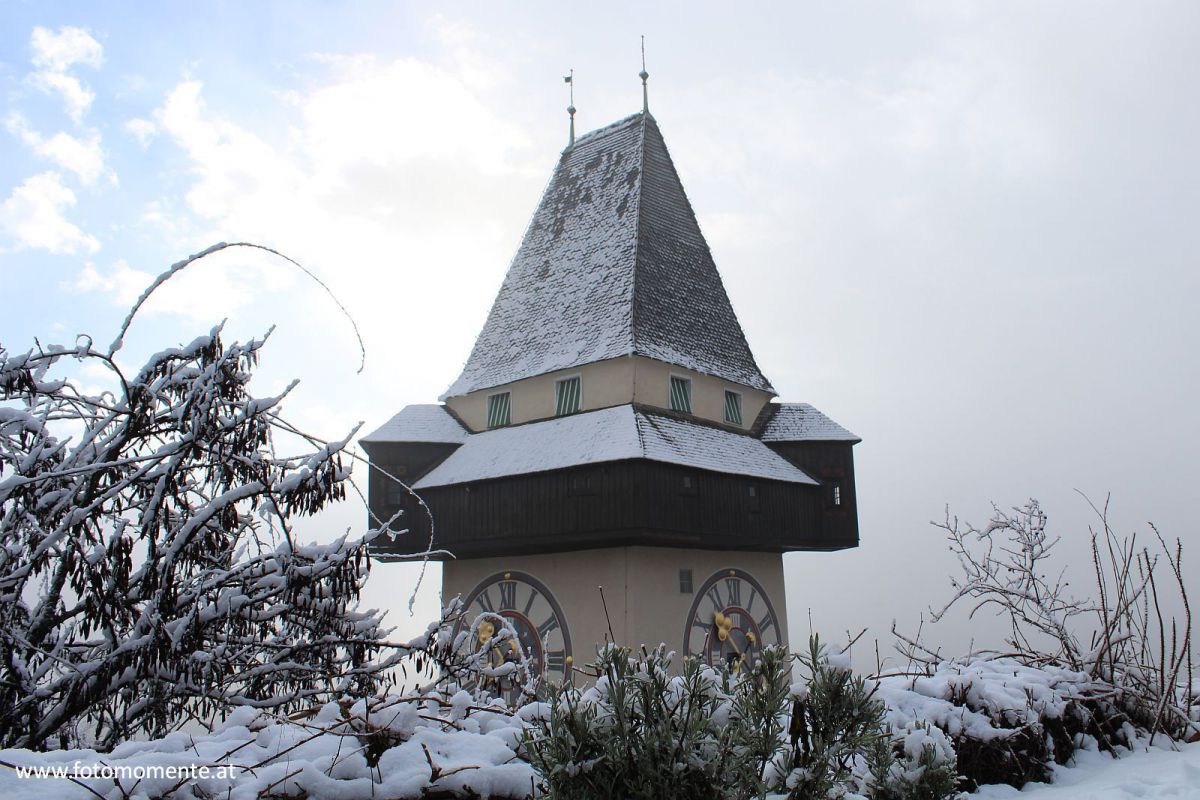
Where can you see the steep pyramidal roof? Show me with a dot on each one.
(613, 263)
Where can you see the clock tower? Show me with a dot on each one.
(611, 462)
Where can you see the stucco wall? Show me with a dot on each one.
(641, 589)
(604, 384)
(652, 387)
(613, 382)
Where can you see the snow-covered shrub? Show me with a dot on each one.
(844, 744)
(1008, 722)
(836, 721)
(917, 762)
(1124, 639)
(641, 733)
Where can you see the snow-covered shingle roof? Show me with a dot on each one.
(610, 434)
(613, 263)
(799, 422)
(420, 423)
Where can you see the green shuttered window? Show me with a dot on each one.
(499, 410)
(681, 394)
(733, 408)
(567, 396)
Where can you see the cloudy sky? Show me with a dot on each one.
(967, 232)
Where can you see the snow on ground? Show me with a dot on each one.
(460, 750)
(1158, 772)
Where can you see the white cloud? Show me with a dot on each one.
(205, 293)
(367, 188)
(141, 129)
(124, 283)
(56, 53)
(82, 156)
(32, 216)
(78, 98)
(60, 51)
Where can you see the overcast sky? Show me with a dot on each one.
(968, 233)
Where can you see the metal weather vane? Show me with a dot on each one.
(569, 79)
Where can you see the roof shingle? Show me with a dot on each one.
(425, 422)
(800, 422)
(613, 263)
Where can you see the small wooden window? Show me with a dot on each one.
(733, 407)
(499, 410)
(687, 485)
(681, 394)
(835, 493)
(752, 491)
(568, 396)
(685, 581)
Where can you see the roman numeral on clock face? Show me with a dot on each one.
(508, 594)
(733, 587)
(556, 660)
(546, 627)
(714, 597)
(484, 601)
(767, 622)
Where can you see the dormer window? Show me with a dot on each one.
(733, 407)
(681, 394)
(568, 396)
(499, 410)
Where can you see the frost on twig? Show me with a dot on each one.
(1124, 637)
(149, 573)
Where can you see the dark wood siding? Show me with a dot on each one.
(623, 503)
(408, 461)
(829, 462)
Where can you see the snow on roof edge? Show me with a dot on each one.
(421, 422)
(801, 422)
(617, 433)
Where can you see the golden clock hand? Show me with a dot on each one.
(720, 620)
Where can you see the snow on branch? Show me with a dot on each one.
(1124, 638)
(148, 571)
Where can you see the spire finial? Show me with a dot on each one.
(569, 79)
(644, 76)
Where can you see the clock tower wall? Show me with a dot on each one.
(655, 590)
(650, 592)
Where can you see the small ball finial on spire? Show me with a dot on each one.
(644, 76)
(569, 79)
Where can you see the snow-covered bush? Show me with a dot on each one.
(836, 721)
(843, 743)
(1125, 639)
(916, 762)
(640, 733)
(1008, 722)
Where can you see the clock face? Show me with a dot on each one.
(523, 603)
(731, 620)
